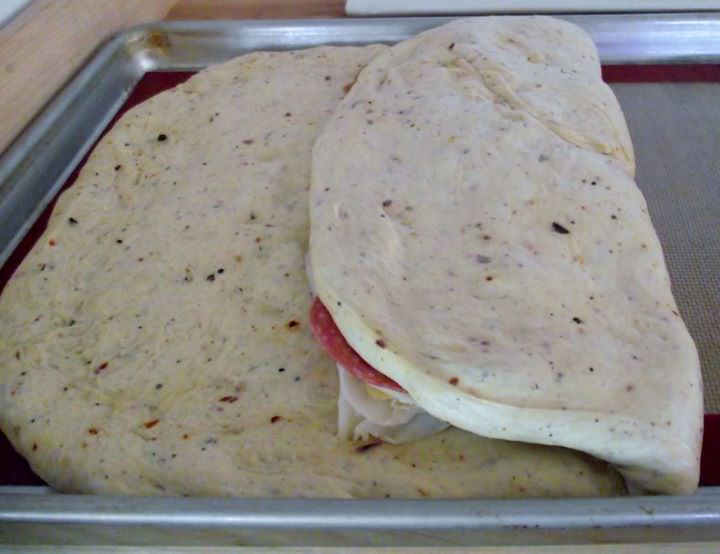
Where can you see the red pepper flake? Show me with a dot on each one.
(100, 368)
(150, 424)
(34, 447)
(93, 431)
(230, 399)
(454, 381)
(51, 242)
(368, 446)
(275, 418)
(381, 343)
(292, 324)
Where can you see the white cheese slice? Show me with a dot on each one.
(396, 419)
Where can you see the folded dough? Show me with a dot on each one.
(478, 238)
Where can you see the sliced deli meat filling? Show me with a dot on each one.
(330, 338)
(369, 404)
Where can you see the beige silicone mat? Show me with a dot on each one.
(676, 132)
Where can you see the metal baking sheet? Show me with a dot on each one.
(37, 165)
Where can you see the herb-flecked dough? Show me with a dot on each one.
(155, 340)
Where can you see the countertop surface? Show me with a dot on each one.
(48, 41)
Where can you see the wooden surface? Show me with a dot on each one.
(48, 41)
(43, 46)
(241, 9)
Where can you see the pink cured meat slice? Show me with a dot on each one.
(333, 342)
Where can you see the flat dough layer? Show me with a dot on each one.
(478, 237)
(155, 341)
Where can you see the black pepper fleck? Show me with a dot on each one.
(559, 228)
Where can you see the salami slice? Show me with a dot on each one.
(332, 341)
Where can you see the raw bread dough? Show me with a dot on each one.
(478, 237)
(155, 341)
